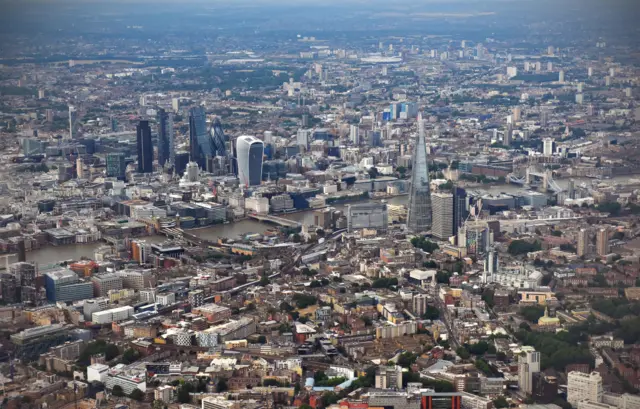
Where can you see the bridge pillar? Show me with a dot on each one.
(527, 178)
(545, 182)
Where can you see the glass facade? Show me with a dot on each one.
(419, 215)
(249, 150)
(166, 148)
(145, 148)
(200, 142)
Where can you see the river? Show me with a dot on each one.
(52, 254)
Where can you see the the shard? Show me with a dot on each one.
(419, 216)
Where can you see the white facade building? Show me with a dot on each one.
(112, 315)
(581, 386)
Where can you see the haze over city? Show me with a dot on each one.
(278, 204)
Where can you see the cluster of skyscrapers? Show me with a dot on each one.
(205, 145)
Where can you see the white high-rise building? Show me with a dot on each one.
(175, 104)
(303, 138)
(561, 76)
(582, 386)
(547, 146)
(442, 224)
(528, 364)
(250, 151)
(512, 72)
(354, 134)
(73, 118)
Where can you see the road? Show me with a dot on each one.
(453, 341)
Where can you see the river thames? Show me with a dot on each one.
(52, 254)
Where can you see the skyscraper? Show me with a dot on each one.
(528, 364)
(442, 215)
(116, 165)
(583, 243)
(302, 138)
(419, 214)
(73, 119)
(145, 148)
(602, 242)
(460, 211)
(166, 148)
(218, 138)
(249, 157)
(200, 143)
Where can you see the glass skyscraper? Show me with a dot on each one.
(200, 142)
(166, 148)
(219, 140)
(419, 215)
(116, 165)
(145, 147)
(249, 157)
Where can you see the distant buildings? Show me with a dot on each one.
(200, 143)
(64, 285)
(144, 147)
(583, 243)
(249, 150)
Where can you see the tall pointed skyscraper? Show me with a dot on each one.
(419, 216)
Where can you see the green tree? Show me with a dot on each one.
(111, 351)
(264, 280)
(130, 355)
(137, 394)
(406, 359)
(519, 247)
(431, 313)
(463, 353)
(222, 385)
(501, 402)
(532, 312)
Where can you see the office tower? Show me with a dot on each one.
(80, 168)
(354, 134)
(561, 76)
(582, 386)
(512, 72)
(583, 243)
(435, 400)
(200, 142)
(267, 137)
(527, 67)
(103, 283)
(40, 94)
(442, 226)
(374, 138)
(395, 110)
(218, 138)
(50, 114)
(516, 113)
(602, 241)
(250, 150)
(367, 216)
(24, 273)
(175, 104)
(192, 172)
(590, 72)
(571, 189)
(607, 81)
(32, 146)
(612, 72)
(302, 138)
(180, 165)
(166, 147)
(305, 120)
(419, 214)
(547, 146)
(544, 118)
(528, 364)
(73, 119)
(142, 100)
(579, 99)
(116, 165)
(114, 124)
(460, 211)
(508, 134)
(145, 148)
(480, 51)
(550, 50)
(64, 285)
